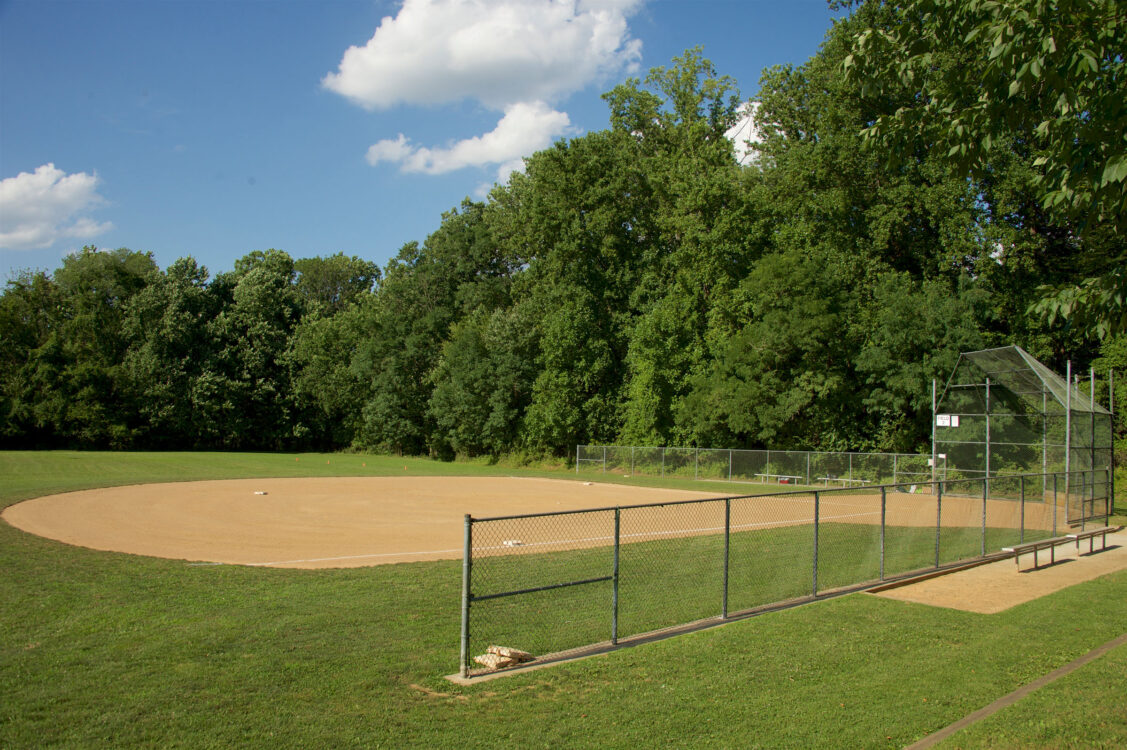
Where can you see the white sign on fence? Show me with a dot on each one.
(946, 420)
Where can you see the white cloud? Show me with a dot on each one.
(494, 51)
(39, 209)
(514, 56)
(744, 132)
(525, 128)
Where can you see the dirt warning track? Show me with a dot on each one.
(331, 522)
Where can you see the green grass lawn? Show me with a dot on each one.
(101, 649)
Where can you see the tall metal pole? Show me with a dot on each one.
(938, 519)
(883, 519)
(727, 550)
(1111, 435)
(1055, 503)
(1068, 440)
(614, 575)
(1044, 436)
(986, 485)
(817, 501)
(983, 545)
(1021, 480)
(467, 561)
(933, 432)
(1092, 418)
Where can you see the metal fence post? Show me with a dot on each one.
(807, 468)
(727, 550)
(631, 460)
(696, 464)
(938, 518)
(1055, 503)
(894, 468)
(1083, 512)
(663, 461)
(729, 465)
(614, 596)
(467, 561)
(604, 459)
(1021, 481)
(883, 516)
(982, 548)
(817, 500)
(576, 459)
(1109, 488)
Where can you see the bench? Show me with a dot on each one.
(783, 478)
(845, 481)
(1051, 544)
(1091, 534)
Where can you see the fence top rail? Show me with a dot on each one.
(830, 491)
(744, 450)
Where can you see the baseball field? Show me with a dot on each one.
(324, 612)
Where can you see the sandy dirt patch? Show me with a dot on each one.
(997, 586)
(329, 522)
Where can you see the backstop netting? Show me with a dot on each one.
(1002, 413)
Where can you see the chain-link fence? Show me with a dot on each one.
(549, 583)
(810, 468)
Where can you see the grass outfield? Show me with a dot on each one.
(108, 649)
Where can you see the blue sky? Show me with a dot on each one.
(213, 128)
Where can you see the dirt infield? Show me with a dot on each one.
(331, 522)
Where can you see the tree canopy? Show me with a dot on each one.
(638, 284)
(972, 78)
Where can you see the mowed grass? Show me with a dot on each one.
(101, 649)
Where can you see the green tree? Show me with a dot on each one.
(483, 382)
(31, 310)
(82, 394)
(326, 382)
(425, 290)
(244, 398)
(328, 285)
(974, 76)
(167, 325)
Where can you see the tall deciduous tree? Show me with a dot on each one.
(973, 76)
(169, 325)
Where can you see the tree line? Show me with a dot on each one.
(634, 285)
